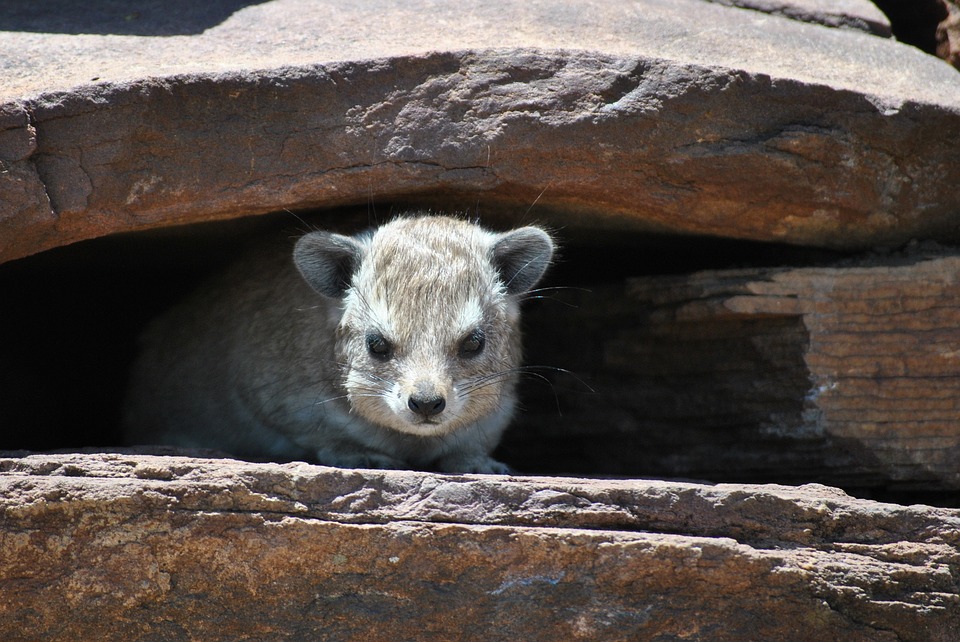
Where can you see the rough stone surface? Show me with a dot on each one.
(129, 546)
(948, 35)
(732, 123)
(846, 374)
(845, 14)
(655, 115)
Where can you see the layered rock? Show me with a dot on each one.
(125, 546)
(735, 123)
(750, 122)
(846, 374)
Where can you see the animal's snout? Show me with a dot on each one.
(426, 405)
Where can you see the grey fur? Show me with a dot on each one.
(394, 349)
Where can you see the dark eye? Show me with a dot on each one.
(378, 347)
(473, 344)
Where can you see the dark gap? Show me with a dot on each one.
(915, 22)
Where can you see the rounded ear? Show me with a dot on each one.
(521, 257)
(328, 261)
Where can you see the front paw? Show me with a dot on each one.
(473, 464)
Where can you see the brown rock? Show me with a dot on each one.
(847, 375)
(125, 546)
(948, 35)
(730, 123)
(750, 126)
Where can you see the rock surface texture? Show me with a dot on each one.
(800, 121)
(136, 547)
(847, 374)
(677, 115)
(948, 35)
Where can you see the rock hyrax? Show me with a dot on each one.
(395, 348)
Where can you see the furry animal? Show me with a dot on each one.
(392, 349)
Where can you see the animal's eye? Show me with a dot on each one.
(473, 344)
(378, 347)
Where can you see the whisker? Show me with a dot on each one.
(324, 401)
(537, 294)
(561, 371)
(542, 192)
(522, 268)
(559, 287)
(307, 227)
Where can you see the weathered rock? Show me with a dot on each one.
(845, 14)
(676, 116)
(948, 35)
(125, 546)
(847, 375)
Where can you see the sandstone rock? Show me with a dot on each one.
(847, 375)
(732, 123)
(125, 546)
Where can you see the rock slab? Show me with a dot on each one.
(121, 546)
(846, 374)
(680, 116)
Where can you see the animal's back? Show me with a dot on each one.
(212, 369)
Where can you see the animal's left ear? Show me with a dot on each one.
(521, 257)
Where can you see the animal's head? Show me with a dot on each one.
(429, 337)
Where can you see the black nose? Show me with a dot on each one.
(427, 407)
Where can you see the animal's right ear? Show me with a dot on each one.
(328, 261)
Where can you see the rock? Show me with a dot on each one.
(846, 14)
(120, 546)
(948, 35)
(847, 375)
(675, 116)
(734, 123)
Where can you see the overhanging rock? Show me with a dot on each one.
(682, 116)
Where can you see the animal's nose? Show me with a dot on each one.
(427, 407)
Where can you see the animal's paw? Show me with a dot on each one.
(473, 464)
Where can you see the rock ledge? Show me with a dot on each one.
(111, 546)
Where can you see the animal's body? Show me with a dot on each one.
(395, 348)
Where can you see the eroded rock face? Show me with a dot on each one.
(734, 123)
(845, 374)
(123, 545)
